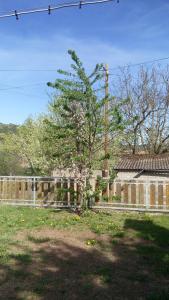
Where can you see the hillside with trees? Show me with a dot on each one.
(8, 128)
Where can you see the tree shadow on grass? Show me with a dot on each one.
(153, 250)
(62, 270)
(148, 230)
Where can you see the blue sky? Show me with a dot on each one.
(117, 34)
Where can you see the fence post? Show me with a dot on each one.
(75, 191)
(129, 193)
(156, 194)
(34, 191)
(164, 194)
(68, 194)
(137, 193)
(147, 195)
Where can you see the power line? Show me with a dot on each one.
(49, 9)
(17, 89)
(21, 86)
(26, 95)
(140, 63)
(23, 93)
(28, 70)
(112, 69)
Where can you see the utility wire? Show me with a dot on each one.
(49, 9)
(28, 70)
(116, 68)
(18, 89)
(21, 93)
(21, 86)
(48, 70)
(140, 63)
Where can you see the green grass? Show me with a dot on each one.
(24, 258)
(139, 237)
(38, 240)
(162, 295)
(154, 229)
(13, 219)
(105, 274)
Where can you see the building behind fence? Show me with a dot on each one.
(61, 192)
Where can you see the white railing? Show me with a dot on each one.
(135, 194)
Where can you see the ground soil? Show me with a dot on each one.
(72, 265)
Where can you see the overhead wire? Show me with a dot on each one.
(25, 94)
(18, 89)
(111, 69)
(55, 70)
(139, 64)
(28, 70)
(51, 8)
(21, 86)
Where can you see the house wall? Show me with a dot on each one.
(69, 173)
(122, 175)
(127, 175)
(154, 177)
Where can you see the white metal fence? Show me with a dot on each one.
(62, 192)
(150, 195)
(38, 191)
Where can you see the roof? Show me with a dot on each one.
(144, 162)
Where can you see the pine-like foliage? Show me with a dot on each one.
(77, 114)
(76, 121)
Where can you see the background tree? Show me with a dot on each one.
(28, 146)
(9, 163)
(155, 132)
(148, 107)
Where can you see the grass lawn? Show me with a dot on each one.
(47, 254)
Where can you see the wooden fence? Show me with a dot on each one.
(38, 191)
(136, 195)
(62, 192)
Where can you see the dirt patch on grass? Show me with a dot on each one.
(69, 265)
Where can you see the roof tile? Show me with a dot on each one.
(143, 162)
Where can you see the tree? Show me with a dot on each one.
(156, 131)
(9, 163)
(76, 120)
(28, 146)
(148, 107)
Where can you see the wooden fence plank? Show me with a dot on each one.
(72, 200)
(152, 195)
(97, 198)
(133, 193)
(118, 189)
(160, 194)
(125, 187)
(167, 195)
(65, 186)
